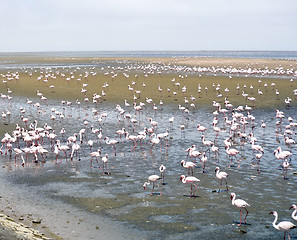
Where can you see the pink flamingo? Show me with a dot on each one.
(62, 148)
(241, 204)
(112, 142)
(188, 165)
(95, 155)
(201, 129)
(190, 180)
(232, 152)
(152, 179)
(221, 175)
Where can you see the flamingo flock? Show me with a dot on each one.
(229, 132)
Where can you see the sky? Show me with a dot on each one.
(147, 25)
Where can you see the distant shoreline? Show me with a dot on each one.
(262, 63)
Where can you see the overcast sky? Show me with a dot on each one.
(111, 25)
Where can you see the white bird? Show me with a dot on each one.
(104, 160)
(112, 142)
(284, 226)
(241, 204)
(190, 180)
(189, 166)
(152, 179)
(221, 175)
(162, 170)
(95, 155)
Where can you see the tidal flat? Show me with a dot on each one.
(116, 205)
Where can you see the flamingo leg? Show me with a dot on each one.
(194, 189)
(220, 185)
(245, 215)
(153, 188)
(226, 185)
(240, 218)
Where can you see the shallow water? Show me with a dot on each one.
(120, 195)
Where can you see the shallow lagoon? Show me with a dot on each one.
(120, 195)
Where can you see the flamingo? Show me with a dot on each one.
(104, 160)
(221, 175)
(75, 149)
(207, 143)
(241, 204)
(189, 166)
(154, 140)
(162, 170)
(201, 128)
(294, 216)
(190, 180)
(284, 226)
(203, 161)
(285, 166)
(95, 155)
(120, 132)
(19, 152)
(232, 152)
(152, 179)
(164, 136)
(132, 138)
(112, 142)
(258, 156)
(63, 148)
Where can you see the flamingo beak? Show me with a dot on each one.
(291, 207)
(271, 213)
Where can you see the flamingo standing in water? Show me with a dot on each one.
(104, 160)
(162, 170)
(152, 179)
(284, 226)
(232, 152)
(221, 175)
(154, 140)
(95, 155)
(285, 166)
(241, 204)
(75, 149)
(190, 180)
(189, 166)
(62, 148)
(112, 142)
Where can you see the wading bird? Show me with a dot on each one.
(284, 226)
(190, 180)
(221, 175)
(241, 204)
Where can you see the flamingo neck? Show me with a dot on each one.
(274, 223)
(294, 214)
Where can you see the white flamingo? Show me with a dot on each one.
(284, 226)
(241, 204)
(190, 180)
(152, 179)
(221, 175)
(188, 165)
(112, 142)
